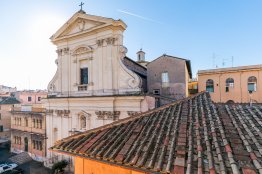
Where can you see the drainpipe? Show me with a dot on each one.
(250, 98)
(241, 87)
(219, 85)
(31, 136)
(258, 82)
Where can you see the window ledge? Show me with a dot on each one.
(82, 87)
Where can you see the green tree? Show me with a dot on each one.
(59, 166)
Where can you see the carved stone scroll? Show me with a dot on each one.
(107, 115)
(132, 113)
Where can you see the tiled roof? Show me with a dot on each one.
(134, 66)
(8, 100)
(188, 136)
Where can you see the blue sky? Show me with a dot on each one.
(208, 32)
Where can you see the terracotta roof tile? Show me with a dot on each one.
(189, 136)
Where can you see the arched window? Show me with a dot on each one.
(252, 84)
(26, 122)
(34, 123)
(230, 102)
(20, 121)
(40, 124)
(37, 122)
(210, 85)
(82, 122)
(229, 84)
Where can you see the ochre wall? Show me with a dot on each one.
(86, 166)
(238, 93)
(5, 120)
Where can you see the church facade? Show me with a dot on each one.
(92, 86)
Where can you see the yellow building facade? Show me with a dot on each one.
(6, 106)
(238, 84)
(29, 132)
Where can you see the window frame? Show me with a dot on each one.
(229, 84)
(165, 80)
(209, 85)
(252, 80)
(82, 76)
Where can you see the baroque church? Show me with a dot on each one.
(95, 83)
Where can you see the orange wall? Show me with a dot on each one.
(86, 166)
(239, 93)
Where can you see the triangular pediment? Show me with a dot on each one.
(81, 23)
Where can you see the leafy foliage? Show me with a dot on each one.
(59, 166)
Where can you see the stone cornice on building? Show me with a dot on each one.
(231, 69)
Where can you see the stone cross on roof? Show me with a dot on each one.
(81, 5)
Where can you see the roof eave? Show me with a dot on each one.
(103, 161)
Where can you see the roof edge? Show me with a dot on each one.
(125, 120)
(188, 62)
(237, 68)
(101, 161)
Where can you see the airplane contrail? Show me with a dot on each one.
(138, 16)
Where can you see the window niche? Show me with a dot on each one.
(83, 121)
(83, 54)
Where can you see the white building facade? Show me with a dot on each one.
(92, 86)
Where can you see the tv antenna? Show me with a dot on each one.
(214, 56)
(230, 59)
